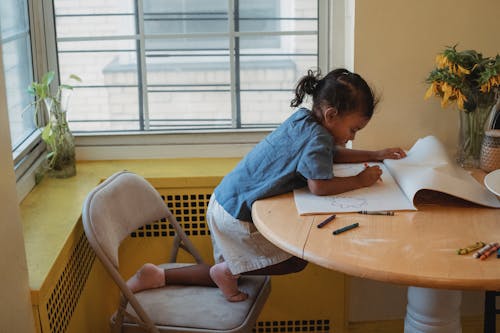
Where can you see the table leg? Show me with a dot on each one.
(433, 311)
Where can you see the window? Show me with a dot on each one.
(156, 65)
(17, 66)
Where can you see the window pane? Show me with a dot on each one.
(185, 16)
(189, 88)
(13, 17)
(17, 68)
(184, 74)
(190, 110)
(104, 109)
(277, 15)
(94, 18)
(99, 63)
(268, 78)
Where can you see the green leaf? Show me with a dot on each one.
(47, 134)
(47, 78)
(66, 86)
(75, 77)
(31, 89)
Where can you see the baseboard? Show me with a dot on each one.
(470, 324)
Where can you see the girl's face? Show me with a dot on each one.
(343, 128)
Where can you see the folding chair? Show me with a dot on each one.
(120, 205)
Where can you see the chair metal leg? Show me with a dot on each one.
(490, 311)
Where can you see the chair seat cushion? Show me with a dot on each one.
(200, 307)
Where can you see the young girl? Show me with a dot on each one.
(299, 153)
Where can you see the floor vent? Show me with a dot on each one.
(320, 325)
(66, 293)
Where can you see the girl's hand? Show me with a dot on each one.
(369, 175)
(389, 153)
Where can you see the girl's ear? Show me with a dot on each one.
(330, 113)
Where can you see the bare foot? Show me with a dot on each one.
(148, 276)
(227, 282)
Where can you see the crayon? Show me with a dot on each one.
(483, 250)
(344, 229)
(470, 248)
(377, 212)
(325, 222)
(489, 252)
(380, 179)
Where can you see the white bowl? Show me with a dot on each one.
(492, 181)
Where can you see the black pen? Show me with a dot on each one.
(325, 222)
(349, 227)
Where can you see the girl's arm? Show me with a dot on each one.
(345, 155)
(338, 185)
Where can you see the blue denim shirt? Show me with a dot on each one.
(299, 149)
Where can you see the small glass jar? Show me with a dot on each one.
(490, 151)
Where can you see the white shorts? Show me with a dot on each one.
(239, 243)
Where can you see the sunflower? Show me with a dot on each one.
(464, 77)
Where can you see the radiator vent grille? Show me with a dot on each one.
(64, 298)
(188, 208)
(321, 325)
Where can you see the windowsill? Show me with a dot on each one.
(52, 209)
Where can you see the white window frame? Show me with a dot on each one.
(29, 156)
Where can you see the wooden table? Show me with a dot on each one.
(418, 249)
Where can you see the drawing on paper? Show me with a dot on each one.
(347, 203)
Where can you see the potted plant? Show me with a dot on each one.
(55, 133)
(470, 81)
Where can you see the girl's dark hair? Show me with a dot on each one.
(341, 89)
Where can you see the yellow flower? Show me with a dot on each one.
(494, 81)
(448, 93)
(461, 99)
(432, 91)
(459, 70)
(442, 61)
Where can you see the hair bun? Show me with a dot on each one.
(311, 81)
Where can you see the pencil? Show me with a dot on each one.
(325, 222)
(349, 227)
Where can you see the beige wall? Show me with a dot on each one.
(396, 42)
(15, 304)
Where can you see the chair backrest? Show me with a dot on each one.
(117, 207)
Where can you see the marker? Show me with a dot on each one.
(377, 212)
(325, 222)
(349, 227)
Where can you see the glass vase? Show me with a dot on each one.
(471, 136)
(61, 147)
